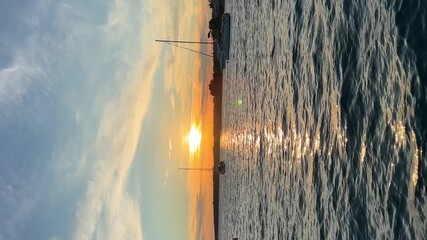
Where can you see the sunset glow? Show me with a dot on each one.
(194, 138)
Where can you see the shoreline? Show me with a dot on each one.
(215, 88)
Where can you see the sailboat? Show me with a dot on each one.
(220, 44)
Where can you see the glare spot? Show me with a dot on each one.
(194, 138)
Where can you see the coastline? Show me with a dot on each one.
(215, 88)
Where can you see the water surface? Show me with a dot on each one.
(329, 138)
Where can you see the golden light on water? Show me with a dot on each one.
(194, 138)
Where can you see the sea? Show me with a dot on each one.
(324, 120)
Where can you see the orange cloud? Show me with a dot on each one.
(200, 184)
(183, 82)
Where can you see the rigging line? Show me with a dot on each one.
(181, 41)
(189, 49)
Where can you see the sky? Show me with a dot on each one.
(94, 117)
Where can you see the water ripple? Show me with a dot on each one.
(328, 139)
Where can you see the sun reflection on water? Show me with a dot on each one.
(276, 142)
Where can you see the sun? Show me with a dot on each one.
(194, 138)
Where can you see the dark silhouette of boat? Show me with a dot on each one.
(224, 43)
(220, 28)
(221, 167)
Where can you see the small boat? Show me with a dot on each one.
(221, 167)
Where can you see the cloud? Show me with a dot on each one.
(108, 210)
(26, 71)
(25, 88)
(76, 52)
(185, 88)
(68, 55)
(179, 74)
(15, 197)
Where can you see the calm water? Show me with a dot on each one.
(329, 138)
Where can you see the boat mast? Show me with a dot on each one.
(175, 44)
(180, 41)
